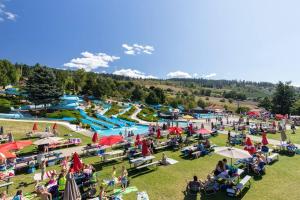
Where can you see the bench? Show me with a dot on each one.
(196, 154)
(6, 185)
(273, 157)
(161, 147)
(148, 165)
(115, 158)
(240, 186)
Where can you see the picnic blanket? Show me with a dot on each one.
(127, 190)
(142, 196)
(171, 161)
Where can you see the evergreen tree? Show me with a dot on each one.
(265, 103)
(42, 86)
(283, 98)
(137, 94)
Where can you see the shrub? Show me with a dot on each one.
(115, 109)
(64, 113)
(4, 106)
(126, 115)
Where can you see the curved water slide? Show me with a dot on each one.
(111, 120)
(95, 121)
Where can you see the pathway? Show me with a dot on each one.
(134, 116)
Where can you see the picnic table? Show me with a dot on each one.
(112, 155)
(141, 161)
(6, 183)
(187, 150)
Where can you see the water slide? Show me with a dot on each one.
(95, 121)
(111, 120)
(92, 125)
(124, 121)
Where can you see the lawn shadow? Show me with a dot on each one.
(24, 184)
(134, 173)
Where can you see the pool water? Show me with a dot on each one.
(137, 129)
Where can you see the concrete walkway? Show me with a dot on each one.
(134, 116)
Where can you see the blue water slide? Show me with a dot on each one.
(93, 126)
(123, 121)
(102, 123)
(111, 120)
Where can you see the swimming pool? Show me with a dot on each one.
(137, 129)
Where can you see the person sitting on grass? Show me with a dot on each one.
(207, 143)
(194, 185)
(164, 159)
(259, 164)
(209, 183)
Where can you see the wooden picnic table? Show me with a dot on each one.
(112, 154)
(141, 160)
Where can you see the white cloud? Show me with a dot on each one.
(90, 61)
(210, 75)
(137, 49)
(179, 74)
(6, 15)
(132, 73)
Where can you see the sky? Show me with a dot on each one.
(242, 40)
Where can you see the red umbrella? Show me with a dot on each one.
(35, 127)
(145, 149)
(249, 142)
(175, 130)
(54, 126)
(17, 145)
(8, 154)
(137, 137)
(203, 131)
(77, 165)
(95, 138)
(137, 140)
(264, 140)
(158, 133)
(110, 140)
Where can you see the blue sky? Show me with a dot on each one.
(252, 40)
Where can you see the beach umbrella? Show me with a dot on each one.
(249, 146)
(145, 149)
(232, 153)
(17, 145)
(110, 140)
(48, 140)
(55, 126)
(7, 155)
(35, 127)
(203, 131)
(137, 140)
(264, 140)
(283, 135)
(138, 137)
(158, 133)
(71, 191)
(95, 138)
(77, 165)
(175, 130)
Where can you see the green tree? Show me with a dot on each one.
(42, 87)
(152, 99)
(137, 94)
(201, 103)
(265, 103)
(79, 79)
(296, 107)
(8, 73)
(283, 98)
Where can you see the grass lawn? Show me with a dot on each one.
(19, 130)
(168, 183)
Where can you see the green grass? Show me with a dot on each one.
(115, 109)
(64, 113)
(167, 183)
(127, 115)
(19, 130)
(147, 114)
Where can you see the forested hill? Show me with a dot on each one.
(110, 85)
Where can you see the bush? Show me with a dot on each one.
(242, 109)
(77, 122)
(222, 100)
(4, 106)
